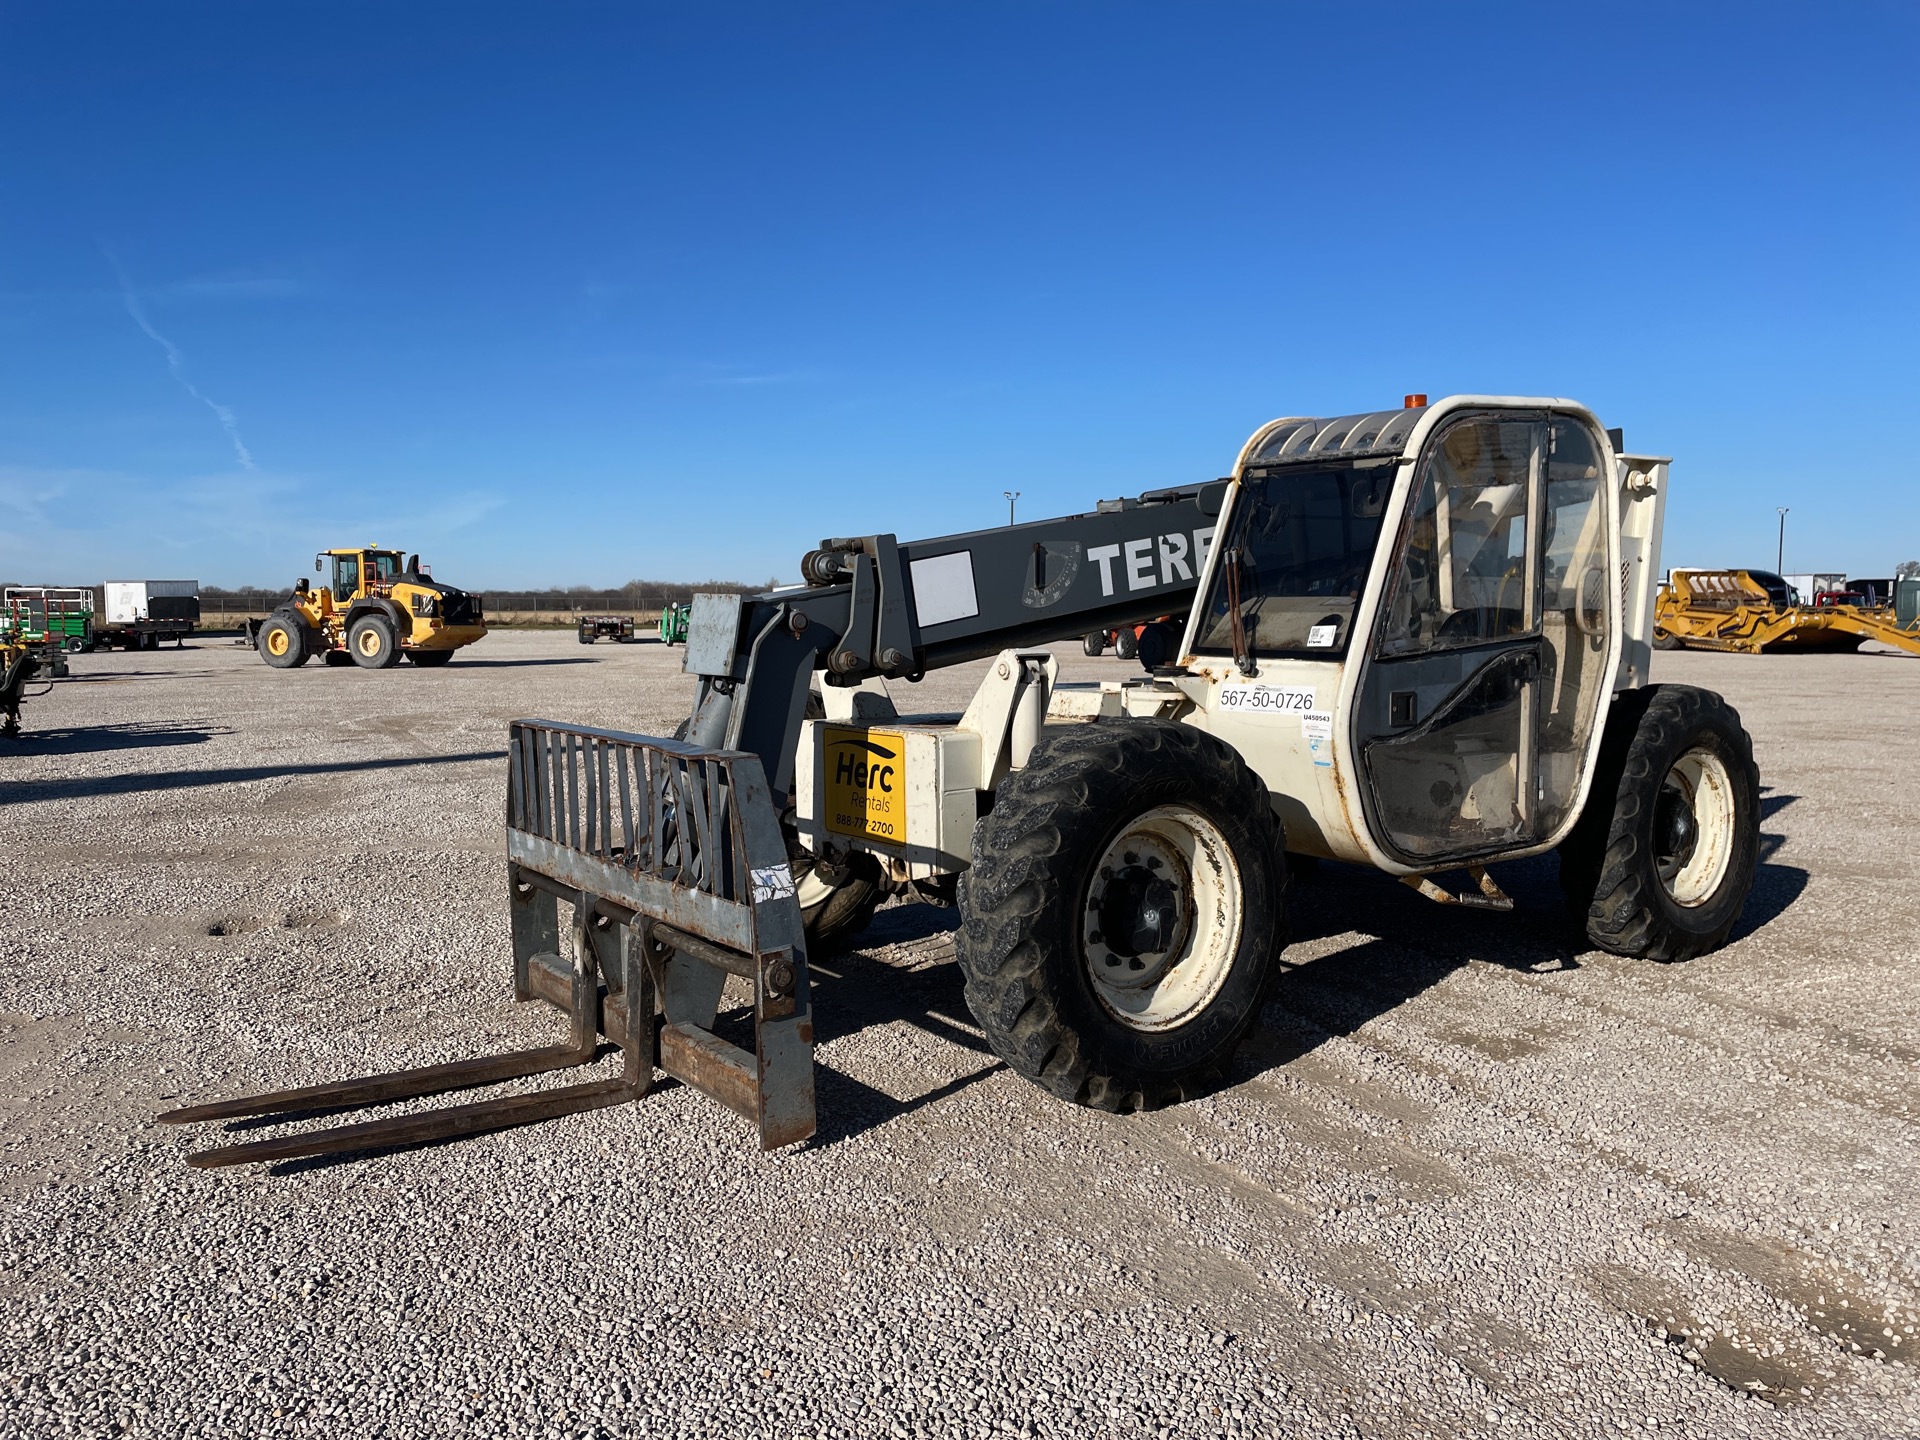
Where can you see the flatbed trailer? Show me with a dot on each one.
(617, 628)
(145, 614)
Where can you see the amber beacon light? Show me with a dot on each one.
(1413, 402)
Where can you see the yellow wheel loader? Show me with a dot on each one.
(380, 605)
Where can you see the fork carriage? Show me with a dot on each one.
(671, 860)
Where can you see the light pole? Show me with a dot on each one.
(1012, 495)
(1780, 555)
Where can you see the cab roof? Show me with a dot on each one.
(1381, 433)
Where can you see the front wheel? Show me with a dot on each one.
(1126, 645)
(371, 642)
(1125, 911)
(1665, 639)
(282, 642)
(1660, 865)
(1095, 643)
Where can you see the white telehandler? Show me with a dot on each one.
(1416, 639)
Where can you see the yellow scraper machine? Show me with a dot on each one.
(1416, 639)
(1754, 612)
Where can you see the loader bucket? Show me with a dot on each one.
(673, 863)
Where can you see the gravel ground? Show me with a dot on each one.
(1470, 1179)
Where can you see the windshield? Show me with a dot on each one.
(1295, 560)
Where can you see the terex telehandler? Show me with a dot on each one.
(1417, 640)
(378, 606)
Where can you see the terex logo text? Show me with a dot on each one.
(1153, 559)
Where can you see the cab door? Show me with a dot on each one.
(1484, 677)
(346, 578)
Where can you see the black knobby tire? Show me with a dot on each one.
(1676, 772)
(430, 658)
(282, 642)
(372, 644)
(1095, 643)
(1032, 904)
(1126, 644)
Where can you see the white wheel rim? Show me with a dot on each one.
(810, 890)
(1692, 867)
(1148, 988)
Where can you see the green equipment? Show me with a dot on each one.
(673, 624)
(58, 616)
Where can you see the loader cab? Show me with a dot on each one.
(1427, 596)
(359, 572)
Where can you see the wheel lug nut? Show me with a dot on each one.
(1153, 862)
(1131, 858)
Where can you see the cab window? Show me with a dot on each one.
(346, 577)
(1295, 561)
(1462, 574)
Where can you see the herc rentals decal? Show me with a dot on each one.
(866, 784)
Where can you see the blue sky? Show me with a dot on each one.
(572, 294)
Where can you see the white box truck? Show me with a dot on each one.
(139, 614)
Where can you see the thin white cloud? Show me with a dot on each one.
(230, 287)
(711, 373)
(177, 366)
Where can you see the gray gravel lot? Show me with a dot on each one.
(1470, 1179)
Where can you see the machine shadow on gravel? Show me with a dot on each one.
(1775, 887)
(100, 739)
(854, 992)
(89, 786)
(1407, 952)
(465, 664)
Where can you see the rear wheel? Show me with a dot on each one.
(370, 640)
(430, 658)
(1124, 913)
(1126, 645)
(1661, 864)
(1095, 642)
(835, 905)
(587, 637)
(282, 642)
(1665, 639)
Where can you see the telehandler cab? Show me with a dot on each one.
(1416, 639)
(378, 605)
